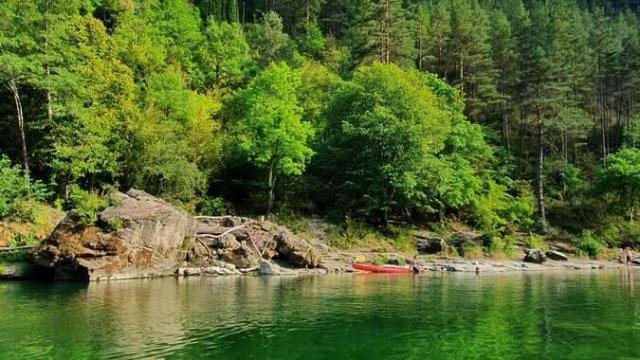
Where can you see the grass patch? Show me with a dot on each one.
(44, 221)
(472, 250)
(502, 247)
(295, 223)
(535, 241)
(353, 235)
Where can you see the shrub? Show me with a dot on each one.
(471, 250)
(18, 193)
(351, 234)
(502, 246)
(85, 205)
(23, 240)
(588, 245)
(212, 206)
(535, 241)
(297, 224)
(401, 238)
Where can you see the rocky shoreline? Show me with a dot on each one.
(145, 237)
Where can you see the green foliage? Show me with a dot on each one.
(312, 42)
(471, 250)
(295, 223)
(535, 241)
(267, 39)
(587, 245)
(128, 93)
(18, 193)
(616, 232)
(385, 129)
(176, 138)
(396, 142)
(187, 243)
(268, 128)
(502, 246)
(224, 56)
(212, 207)
(23, 240)
(621, 177)
(353, 234)
(84, 206)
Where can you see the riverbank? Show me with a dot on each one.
(427, 264)
(141, 236)
(340, 262)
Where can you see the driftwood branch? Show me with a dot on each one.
(213, 217)
(206, 247)
(255, 247)
(224, 233)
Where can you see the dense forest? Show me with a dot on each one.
(505, 115)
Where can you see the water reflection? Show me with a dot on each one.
(439, 316)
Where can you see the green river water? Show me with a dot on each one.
(572, 315)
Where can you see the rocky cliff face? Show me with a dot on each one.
(142, 237)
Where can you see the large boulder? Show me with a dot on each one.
(142, 236)
(432, 245)
(297, 251)
(556, 255)
(242, 257)
(536, 256)
(227, 241)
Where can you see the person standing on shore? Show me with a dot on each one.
(623, 256)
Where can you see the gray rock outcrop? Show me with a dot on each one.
(142, 237)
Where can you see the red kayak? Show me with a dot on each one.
(382, 269)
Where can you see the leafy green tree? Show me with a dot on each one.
(177, 25)
(268, 127)
(385, 129)
(98, 100)
(267, 38)
(16, 188)
(19, 58)
(621, 177)
(176, 140)
(224, 56)
(141, 47)
(312, 42)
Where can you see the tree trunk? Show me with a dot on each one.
(462, 73)
(505, 128)
(420, 54)
(49, 99)
(20, 116)
(540, 174)
(270, 185)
